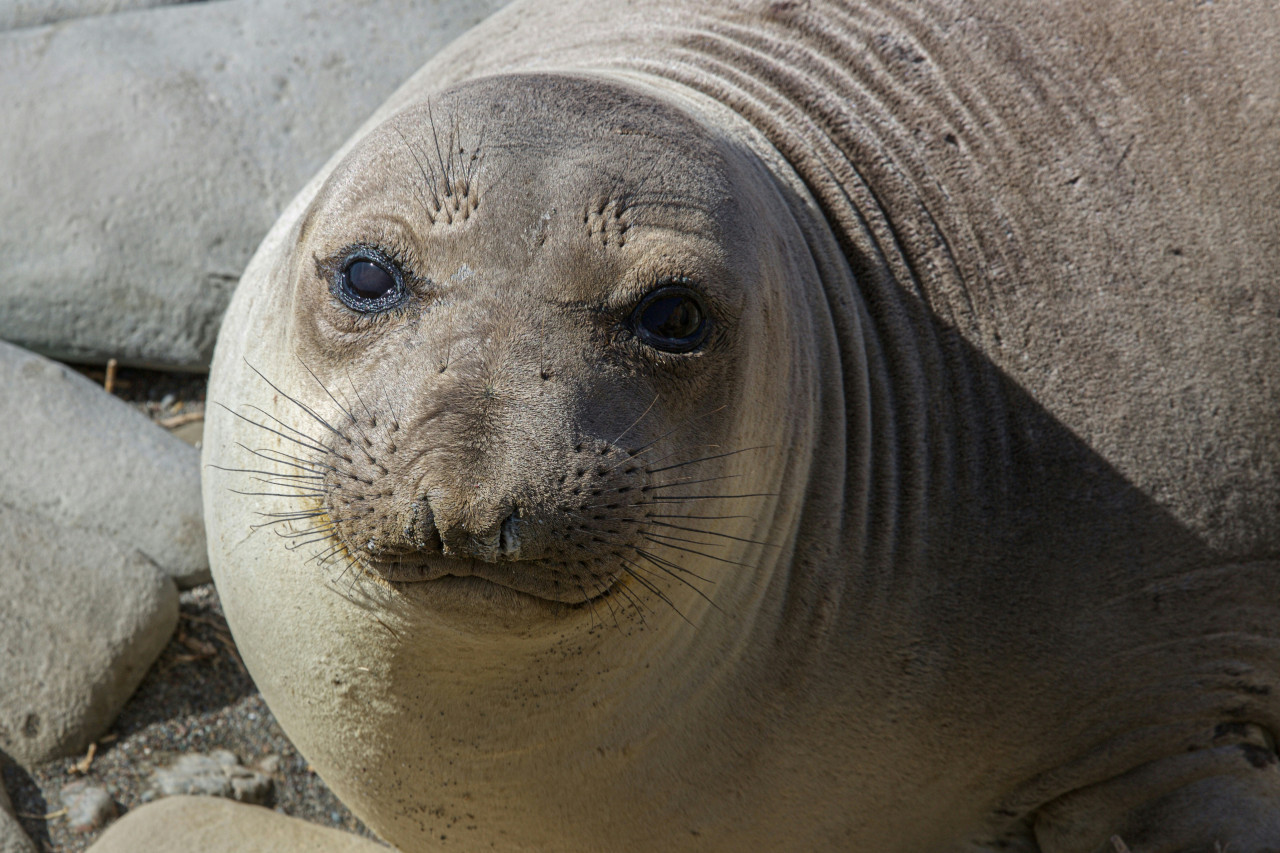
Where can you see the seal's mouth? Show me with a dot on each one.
(549, 580)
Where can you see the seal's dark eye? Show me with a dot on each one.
(671, 318)
(369, 282)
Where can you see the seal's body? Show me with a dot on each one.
(779, 426)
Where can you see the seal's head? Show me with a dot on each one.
(541, 418)
(537, 302)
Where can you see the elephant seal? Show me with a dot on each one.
(783, 425)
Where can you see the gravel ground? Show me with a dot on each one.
(196, 698)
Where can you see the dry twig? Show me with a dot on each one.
(109, 384)
(82, 766)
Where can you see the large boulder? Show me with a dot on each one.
(15, 14)
(81, 458)
(147, 153)
(81, 621)
(215, 825)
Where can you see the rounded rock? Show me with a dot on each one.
(88, 806)
(81, 458)
(212, 825)
(81, 621)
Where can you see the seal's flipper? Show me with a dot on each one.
(1225, 798)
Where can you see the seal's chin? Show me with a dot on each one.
(541, 579)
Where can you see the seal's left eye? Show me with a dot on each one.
(369, 283)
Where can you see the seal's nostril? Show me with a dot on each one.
(509, 537)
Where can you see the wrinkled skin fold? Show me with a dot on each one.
(955, 527)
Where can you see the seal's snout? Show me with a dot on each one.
(561, 524)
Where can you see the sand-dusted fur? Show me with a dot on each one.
(959, 527)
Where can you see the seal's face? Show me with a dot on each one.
(530, 302)
(546, 358)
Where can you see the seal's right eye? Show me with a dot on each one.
(671, 318)
(369, 282)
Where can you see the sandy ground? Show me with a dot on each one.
(197, 697)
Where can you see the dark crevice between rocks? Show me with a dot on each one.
(175, 401)
(28, 801)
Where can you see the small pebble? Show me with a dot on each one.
(89, 806)
(218, 774)
(269, 764)
(225, 757)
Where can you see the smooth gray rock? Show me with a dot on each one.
(218, 774)
(80, 457)
(214, 825)
(15, 14)
(81, 620)
(12, 838)
(88, 806)
(146, 154)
